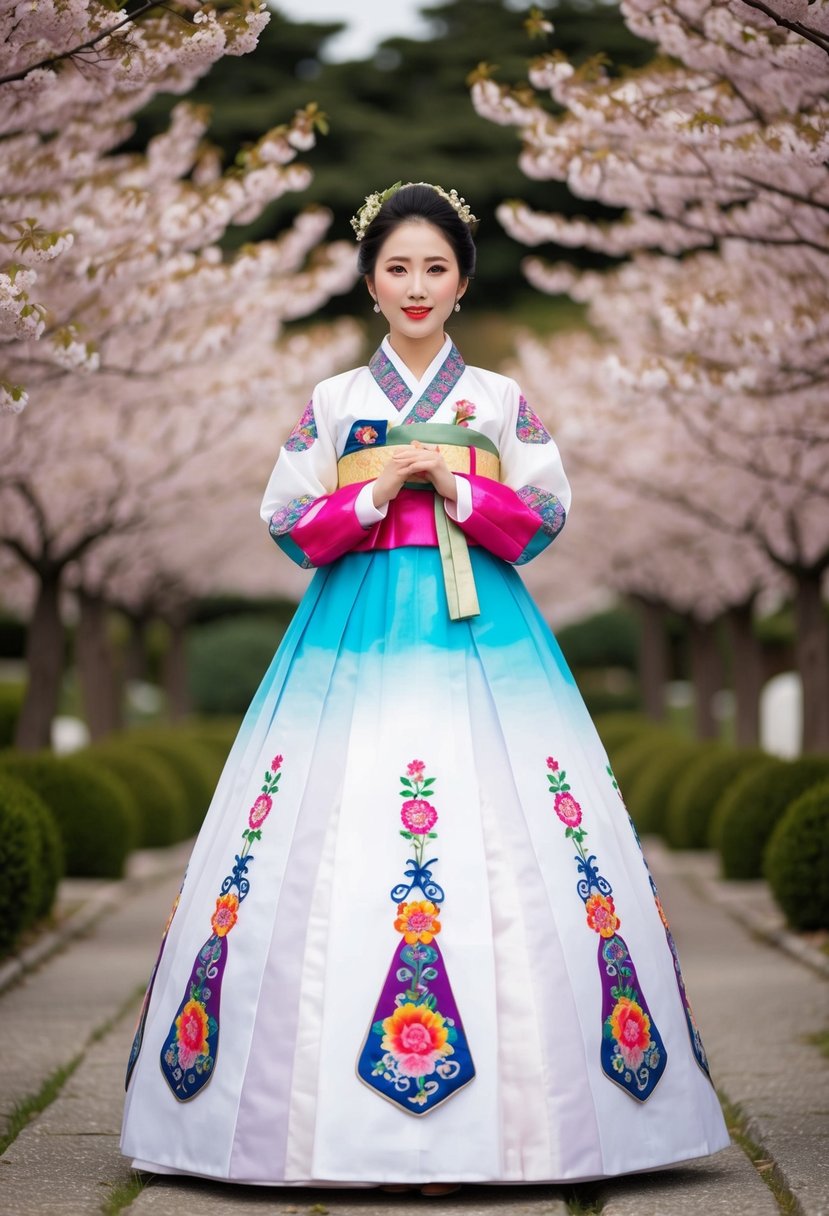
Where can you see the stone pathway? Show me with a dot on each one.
(756, 1005)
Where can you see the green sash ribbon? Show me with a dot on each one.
(458, 577)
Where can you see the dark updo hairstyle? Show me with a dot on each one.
(418, 203)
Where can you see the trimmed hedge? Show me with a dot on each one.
(95, 812)
(195, 765)
(698, 790)
(617, 729)
(11, 703)
(796, 861)
(19, 862)
(752, 806)
(651, 792)
(630, 759)
(227, 659)
(160, 797)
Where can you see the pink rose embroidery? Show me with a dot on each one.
(552, 764)
(418, 816)
(568, 810)
(365, 435)
(416, 769)
(464, 412)
(260, 810)
(276, 764)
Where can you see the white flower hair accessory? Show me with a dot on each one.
(371, 207)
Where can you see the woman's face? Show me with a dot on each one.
(416, 280)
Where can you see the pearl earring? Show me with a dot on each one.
(457, 307)
(376, 306)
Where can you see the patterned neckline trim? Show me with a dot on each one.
(392, 384)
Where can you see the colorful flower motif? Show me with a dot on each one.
(464, 412)
(365, 435)
(260, 810)
(288, 516)
(418, 815)
(552, 764)
(417, 1037)
(568, 810)
(528, 426)
(191, 1033)
(418, 921)
(304, 433)
(416, 769)
(546, 506)
(193, 1037)
(631, 1028)
(614, 950)
(226, 914)
(601, 915)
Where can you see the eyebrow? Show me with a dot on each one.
(434, 258)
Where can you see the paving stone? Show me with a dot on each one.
(724, 1185)
(173, 1196)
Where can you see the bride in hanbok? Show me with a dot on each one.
(417, 943)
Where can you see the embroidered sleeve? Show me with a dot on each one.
(305, 431)
(309, 517)
(528, 426)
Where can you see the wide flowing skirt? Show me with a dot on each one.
(417, 939)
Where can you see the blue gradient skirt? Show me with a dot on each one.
(417, 939)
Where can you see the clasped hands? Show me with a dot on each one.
(416, 460)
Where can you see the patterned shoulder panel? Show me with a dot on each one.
(528, 427)
(305, 431)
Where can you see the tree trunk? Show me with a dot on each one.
(748, 675)
(176, 684)
(706, 674)
(44, 660)
(654, 664)
(136, 661)
(96, 667)
(812, 654)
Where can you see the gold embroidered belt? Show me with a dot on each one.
(464, 451)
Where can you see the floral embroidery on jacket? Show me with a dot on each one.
(464, 412)
(546, 506)
(632, 1052)
(445, 379)
(365, 435)
(415, 1052)
(304, 433)
(388, 379)
(288, 516)
(188, 1056)
(691, 1022)
(528, 427)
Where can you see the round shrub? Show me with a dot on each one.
(617, 729)
(697, 792)
(11, 702)
(227, 660)
(752, 806)
(216, 734)
(629, 760)
(94, 811)
(796, 860)
(160, 798)
(20, 888)
(651, 792)
(195, 765)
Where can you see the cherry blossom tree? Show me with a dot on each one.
(715, 330)
(140, 344)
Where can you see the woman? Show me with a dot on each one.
(383, 901)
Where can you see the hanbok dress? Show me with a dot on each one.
(417, 939)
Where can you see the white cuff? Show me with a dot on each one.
(364, 508)
(461, 509)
